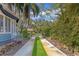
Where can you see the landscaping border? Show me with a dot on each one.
(36, 46)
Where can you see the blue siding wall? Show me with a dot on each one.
(5, 37)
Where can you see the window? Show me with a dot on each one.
(1, 23)
(14, 26)
(7, 24)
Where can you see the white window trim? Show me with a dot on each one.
(5, 32)
(4, 23)
(12, 25)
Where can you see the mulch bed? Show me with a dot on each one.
(60, 46)
(11, 48)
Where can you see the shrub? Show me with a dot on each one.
(38, 49)
(25, 33)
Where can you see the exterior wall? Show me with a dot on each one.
(13, 29)
(5, 37)
(8, 35)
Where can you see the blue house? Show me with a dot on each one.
(8, 21)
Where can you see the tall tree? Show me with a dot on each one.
(26, 8)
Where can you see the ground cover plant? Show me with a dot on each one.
(38, 49)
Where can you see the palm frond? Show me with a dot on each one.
(20, 6)
(26, 10)
(35, 9)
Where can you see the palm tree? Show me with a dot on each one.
(33, 7)
(26, 8)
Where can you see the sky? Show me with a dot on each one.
(48, 5)
(45, 7)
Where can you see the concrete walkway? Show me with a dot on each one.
(51, 49)
(26, 50)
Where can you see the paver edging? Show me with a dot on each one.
(55, 47)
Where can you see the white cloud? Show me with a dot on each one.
(43, 13)
(52, 14)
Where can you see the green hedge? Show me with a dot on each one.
(38, 49)
(25, 33)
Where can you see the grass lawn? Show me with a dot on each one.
(38, 49)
